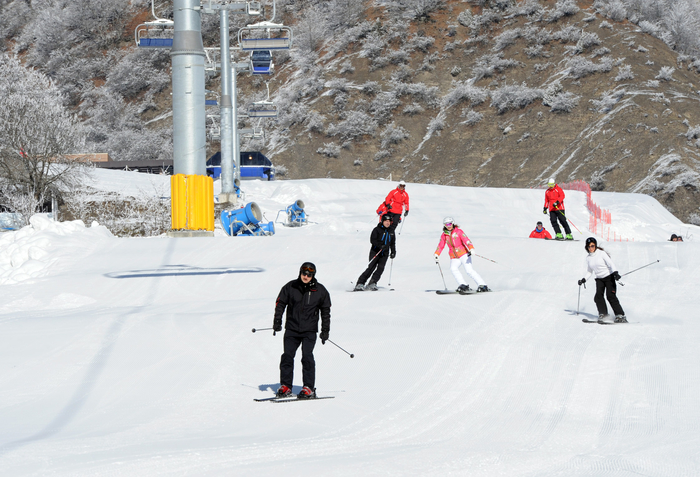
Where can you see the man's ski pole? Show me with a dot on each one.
(391, 268)
(484, 258)
(443, 276)
(402, 222)
(569, 220)
(351, 355)
(261, 329)
(648, 264)
(370, 262)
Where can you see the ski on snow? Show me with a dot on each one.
(291, 399)
(603, 323)
(378, 289)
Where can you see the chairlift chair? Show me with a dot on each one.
(155, 34)
(261, 62)
(262, 109)
(279, 37)
(252, 133)
(253, 8)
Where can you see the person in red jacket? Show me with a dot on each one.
(396, 201)
(554, 203)
(540, 232)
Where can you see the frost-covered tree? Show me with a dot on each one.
(37, 135)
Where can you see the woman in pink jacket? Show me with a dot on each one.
(460, 248)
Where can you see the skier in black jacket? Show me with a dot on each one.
(304, 299)
(383, 243)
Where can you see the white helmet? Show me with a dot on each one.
(448, 220)
(402, 183)
(551, 182)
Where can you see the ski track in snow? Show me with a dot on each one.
(107, 368)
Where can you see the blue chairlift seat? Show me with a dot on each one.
(155, 42)
(261, 62)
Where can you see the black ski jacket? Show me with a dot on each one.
(381, 237)
(304, 302)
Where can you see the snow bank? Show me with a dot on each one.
(28, 252)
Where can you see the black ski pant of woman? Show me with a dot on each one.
(555, 215)
(379, 262)
(292, 340)
(608, 286)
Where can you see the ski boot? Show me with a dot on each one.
(569, 237)
(284, 391)
(483, 288)
(605, 319)
(307, 393)
(372, 286)
(559, 237)
(621, 319)
(463, 289)
(359, 287)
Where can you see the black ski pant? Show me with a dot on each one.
(395, 221)
(608, 287)
(376, 265)
(555, 215)
(292, 340)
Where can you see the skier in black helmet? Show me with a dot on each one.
(383, 243)
(305, 299)
(600, 264)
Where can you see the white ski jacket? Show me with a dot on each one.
(599, 264)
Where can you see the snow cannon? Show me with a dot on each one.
(296, 217)
(246, 219)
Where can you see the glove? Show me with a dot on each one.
(581, 281)
(405, 214)
(393, 255)
(323, 336)
(388, 206)
(469, 254)
(616, 276)
(556, 204)
(437, 257)
(385, 248)
(277, 325)
(544, 210)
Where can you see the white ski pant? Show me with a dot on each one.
(465, 261)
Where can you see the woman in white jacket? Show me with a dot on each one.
(601, 266)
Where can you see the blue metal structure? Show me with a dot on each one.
(261, 62)
(254, 165)
(246, 222)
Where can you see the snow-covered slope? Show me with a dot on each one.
(136, 357)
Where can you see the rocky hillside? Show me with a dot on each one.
(501, 97)
(498, 93)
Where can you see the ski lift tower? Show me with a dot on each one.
(192, 191)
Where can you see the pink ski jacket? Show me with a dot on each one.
(457, 242)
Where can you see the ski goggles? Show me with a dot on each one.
(308, 271)
(448, 224)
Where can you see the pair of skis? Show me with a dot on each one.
(291, 399)
(603, 322)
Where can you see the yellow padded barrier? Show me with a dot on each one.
(192, 202)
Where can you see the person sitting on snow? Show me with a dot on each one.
(540, 232)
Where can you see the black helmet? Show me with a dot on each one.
(591, 240)
(386, 217)
(308, 267)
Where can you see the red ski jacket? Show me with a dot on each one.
(396, 201)
(552, 196)
(542, 234)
